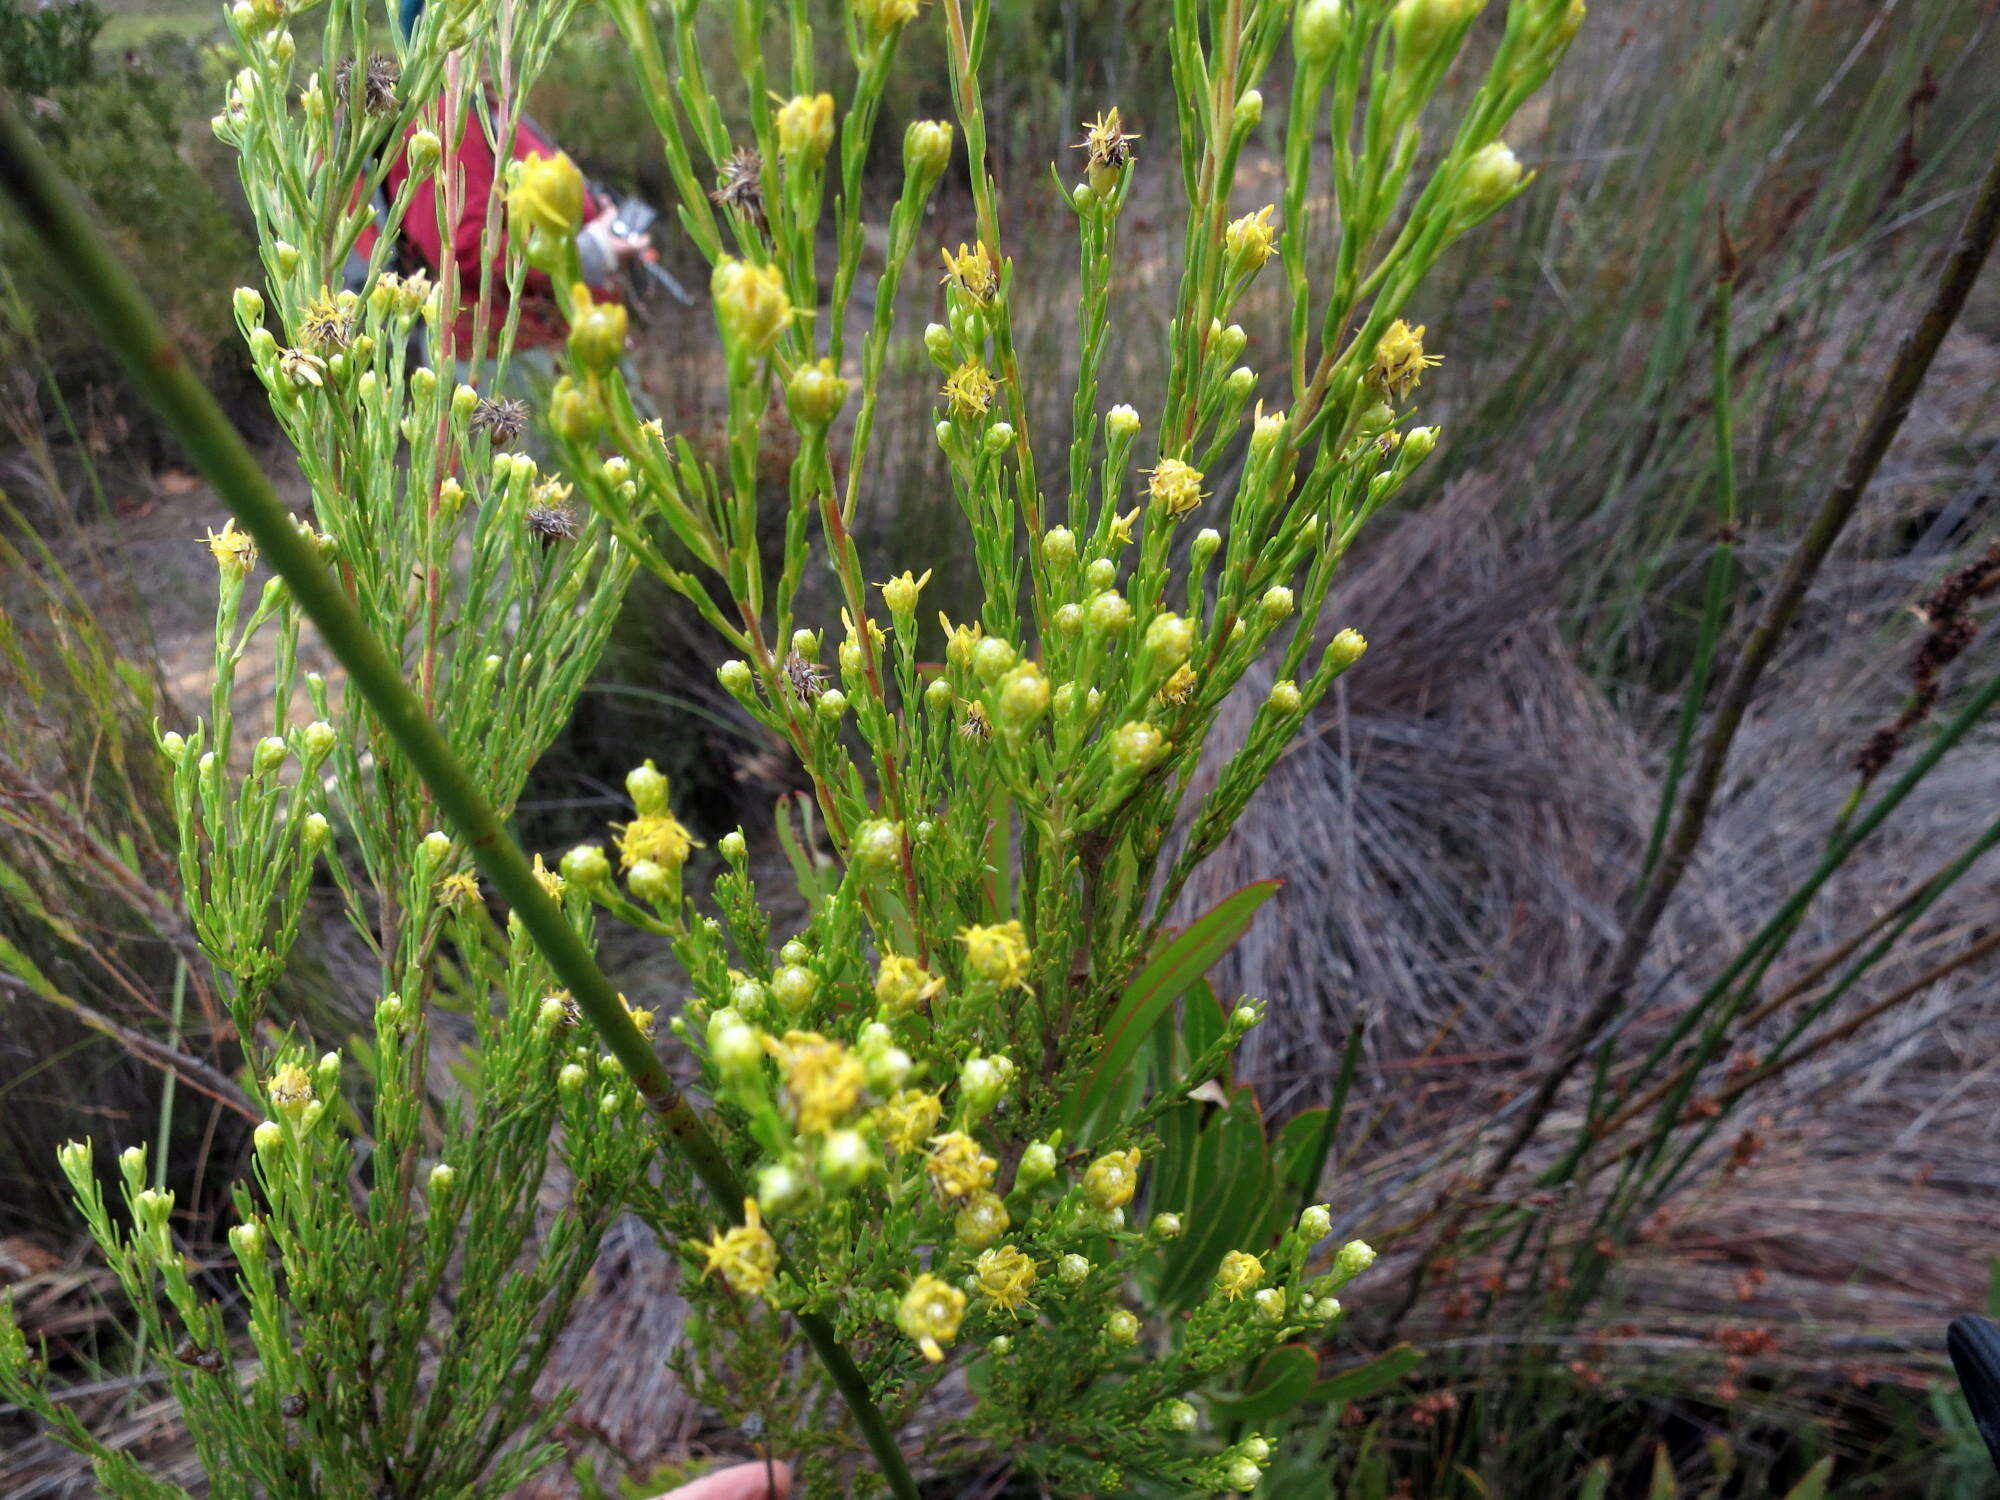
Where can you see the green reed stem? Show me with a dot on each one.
(113, 302)
(1721, 567)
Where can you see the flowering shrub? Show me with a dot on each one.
(980, 1100)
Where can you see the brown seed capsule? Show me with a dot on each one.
(740, 185)
(504, 418)
(379, 76)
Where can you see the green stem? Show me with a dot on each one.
(108, 295)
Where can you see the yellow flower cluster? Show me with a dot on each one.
(930, 1313)
(1238, 1273)
(1400, 361)
(232, 550)
(998, 954)
(969, 391)
(745, 1255)
(902, 984)
(972, 272)
(1111, 1180)
(1175, 486)
(906, 1120)
(1004, 1276)
(958, 1167)
(658, 837)
(823, 1078)
(291, 1090)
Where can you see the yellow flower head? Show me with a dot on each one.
(302, 368)
(960, 639)
(972, 272)
(1107, 148)
(930, 1313)
(1238, 1273)
(823, 1078)
(1110, 1180)
(752, 303)
(659, 837)
(957, 1166)
(639, 1016)
(805, 128)
(900, 593)
(884, 16)
(969, 391)
(547, 194)
(998, 954)
(1175, 486)
(745, 1254)
(1179, 688)
(233, 551)
(1400, 361)
(291, 1090)
(1251, 240)
(975, 726)
(1004, 1275)
(902, 984)
(1121, 527)
(325, 325)
(906, 1121)
(456, 890)
(551, 883)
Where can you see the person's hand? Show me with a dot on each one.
(739, 1482)
(623, 247)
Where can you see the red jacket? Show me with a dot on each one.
(423, 237)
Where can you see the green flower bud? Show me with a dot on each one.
(1316, 1222)
(1024, 696)
(269, 1136)
(269, 755)
(1059, 547)
(1068, 621)
(74, 1159)
(1072, 1269)
(738, 1051)
(249, 304)
(779, 1188)
(1278, 602)
(651, 882)
(815, 394)
(1226, 343)
(751, 304)
(982, 1221)
(1255, 1449)
(1270, 1304)
(1318, 31)
(1177, 1416)
(1001, 1346)
(597, 341)
(846, 1160)
(442, 1177)
(1244, 1475)
(927, 150)
(1490, 178)
(793, 987)
(736, 678)
(991, 658)
(1422, 26)
(1241, 382)
(1166, 1226)
(981, 1082)
(314, 832)
(1169, 639)
(572, 1077)
(1355, 1257)
(832, 704)
(247, 1240)
(586, 867)
(648, 789)
(1121, 423)
(318, 739)
(173, 745)
(1038, 1165)
(1109, 612)
(1136, 746)
(1418, 443)
(878, 845)
(937, 344)
(1122, 1327)
(1249, 111)
(422, 152)
(1345, 649)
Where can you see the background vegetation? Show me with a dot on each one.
(1456, 837)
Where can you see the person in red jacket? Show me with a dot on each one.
(425, 242)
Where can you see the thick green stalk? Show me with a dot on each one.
(107, 293)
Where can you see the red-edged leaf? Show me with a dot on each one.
(1191, 954)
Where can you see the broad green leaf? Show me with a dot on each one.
(1283, 1379)
(1371, 1378)
(1296, 1159)
(1224, 1207)
(1163, 980)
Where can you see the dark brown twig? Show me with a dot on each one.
(1650, 897)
